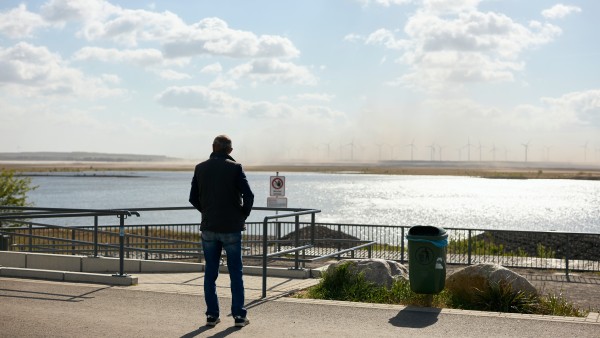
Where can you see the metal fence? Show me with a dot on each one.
(522, 249)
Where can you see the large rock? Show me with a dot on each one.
(466, 282)
(378, 271)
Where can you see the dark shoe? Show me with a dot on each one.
(212, 321)
(241, 321)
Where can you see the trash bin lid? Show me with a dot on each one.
(428, 234)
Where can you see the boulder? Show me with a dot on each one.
(466, 282)
(378, 271)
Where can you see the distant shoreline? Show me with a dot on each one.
(474, 169)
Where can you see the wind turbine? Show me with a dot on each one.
(585, 147)
(493, 151)
(351, 144)
(468, 146)
(547, 153)
(440, 147)
(526, 145)
(432, 147)
(379, 145)
(328, 144)
(412, 148)
(480, 147)
(394, 146)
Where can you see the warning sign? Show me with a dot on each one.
(277, 185)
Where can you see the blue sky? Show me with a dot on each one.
(319, 81)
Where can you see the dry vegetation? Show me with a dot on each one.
(530, 172)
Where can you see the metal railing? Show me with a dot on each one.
(306, 241)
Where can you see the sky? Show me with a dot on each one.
(303, 81)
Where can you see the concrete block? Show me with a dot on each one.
(159, 266)
(53, 262)
(13, 259)
(109, 265)
(85, 277)
(273, 272)
(32, 273)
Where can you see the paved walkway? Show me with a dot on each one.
(171, 305)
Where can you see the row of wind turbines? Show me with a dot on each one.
(348, 151)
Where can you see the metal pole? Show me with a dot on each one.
(146, 242)
(73, 241)
(297, 243)
(402, 246)
(312, 228)
(469, 248)
(95, 236)
(567, 251)
(30, 237)
(121, 245)
(264, 260)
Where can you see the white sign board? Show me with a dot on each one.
(277, 184)
(276, 202)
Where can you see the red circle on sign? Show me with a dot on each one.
(277, 183)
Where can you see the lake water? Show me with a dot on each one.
(445, 201)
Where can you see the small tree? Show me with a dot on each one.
(13, 190)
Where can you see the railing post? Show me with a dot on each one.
(73, 241)
(146, 242)
(297, 243)
(469, 248)
(567, 252)
(278, 235)
(121, 245)
(402, 245)
(96, 236)
(30, 237)
(264, 259)
(312, 229)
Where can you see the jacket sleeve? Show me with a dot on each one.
(247, 195)
(195, 194)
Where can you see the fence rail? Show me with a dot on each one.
(523, 249)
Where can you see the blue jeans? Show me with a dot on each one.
(212, 245)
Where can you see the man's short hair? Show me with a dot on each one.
(222, 143)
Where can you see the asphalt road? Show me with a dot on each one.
(30, 308)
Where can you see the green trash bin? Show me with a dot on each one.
(427, 258)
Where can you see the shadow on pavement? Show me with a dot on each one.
(207, 329)
(415, 319)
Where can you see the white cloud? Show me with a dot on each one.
(214, 37)
(463, 47)
(77, 10)
(20, 23)
(201, 99)
(34, 70)
(315, 97)
(387, 39)
(559, 11)
(169, 74)
(141, 57)
(210, 101)
(213, 68)
(450, 6)
(384, 3)
(274, 71)
(584, 105)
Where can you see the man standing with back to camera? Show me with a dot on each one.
(220, 191)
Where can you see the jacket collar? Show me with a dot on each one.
(221, 156)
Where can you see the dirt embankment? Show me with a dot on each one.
(492, 170)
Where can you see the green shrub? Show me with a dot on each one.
(341, 284)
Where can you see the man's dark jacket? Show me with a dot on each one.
(220, 191)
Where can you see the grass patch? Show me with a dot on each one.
(341, 284)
